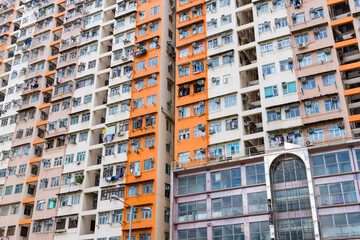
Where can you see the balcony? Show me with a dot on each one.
(140, 53)
(249, 78)
(339, 11)
(251, 100)
(253, 124)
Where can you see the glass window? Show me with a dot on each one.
(191, 211)
(273, 116)
(331, 104)
(322, 34)
(296, 228)
(292, 200)
(328, 79)
(335, 131)
(331, 163)
(294, 111)
(192, 184)
(289, 171)
(259, 230)
(271, 92)
(227, 206)
(314, 108)
(268, 69)
(193, 234)
(341, 225)
(257, 202)
(226, 179)
(255, 174)
(229, 232)
(336, 193)
(290, 88)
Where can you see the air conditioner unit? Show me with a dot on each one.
(211, 131)
(293, 15)
(341, 125)
(303, 80)
(290, 60)
(309, 143)
(334, 99)
(201, 127)
(327, 51)
(193, 26)
(301, 46)
(266, 24)
(217, 100)
(112, 212)
(299, 57)
(308, 103)
(310, 130)
(131, 141)
(137, 174)
(278, 110)
(312, 10)
(274, 2)
(258, 5)
(151, 159)
(203, 150)
(287, 108)
(201, 82)
(296, 132)
(223, 17)
(213, 79)
(284, 84)
(272, 136)
(221, 158)
(316, 31)
(277, 21)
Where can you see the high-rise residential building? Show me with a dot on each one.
(218, 119)
(267, 120)
(87, 118)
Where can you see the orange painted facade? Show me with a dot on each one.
(190, 145)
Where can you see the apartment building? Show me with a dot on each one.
(87, 119)
(266, 127)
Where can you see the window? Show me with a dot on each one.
(317, 13)
(57, 161)
(323, 57)
(285, 66)
(213, 43)
(230, 101)
(273, 116)
(331, 163)
(184, 71)
(226, 179)
(140, 65)
(264, 27)
(113, 110)
(227, 206)
(259, 230)
(224, 3)
(302, 38)
(83, 136)
(193, 234)
(225, 19)
(148, 164)
(313, 108)
(216, 127)
(231, 124)
(335, 131)
(300, 18)
(305, 61)
(150, 100)
(279, 4)
(290, 88)
(328, 79)
(263, 8)
(40, 205)
(335, 193)
(257, 202)
(271, 92)
(147, 188)
(318, 134)
(191, 211)
(192, 184)
(8, 190)
(4, 210)
(321, 35)
(309, 84)
(331, 104)
(103, 218)
(266, 47)
(80, 156)
(198, 133)
(154, 27)
(268, 69)
(153, 61)
(294, 111)
(133, 190)
(18, 188)
(290, 228)
(183, 53)
(55, 181)
(146, 213)
(117, 217)
(282, 23)
(340, 225)
(294, 199)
